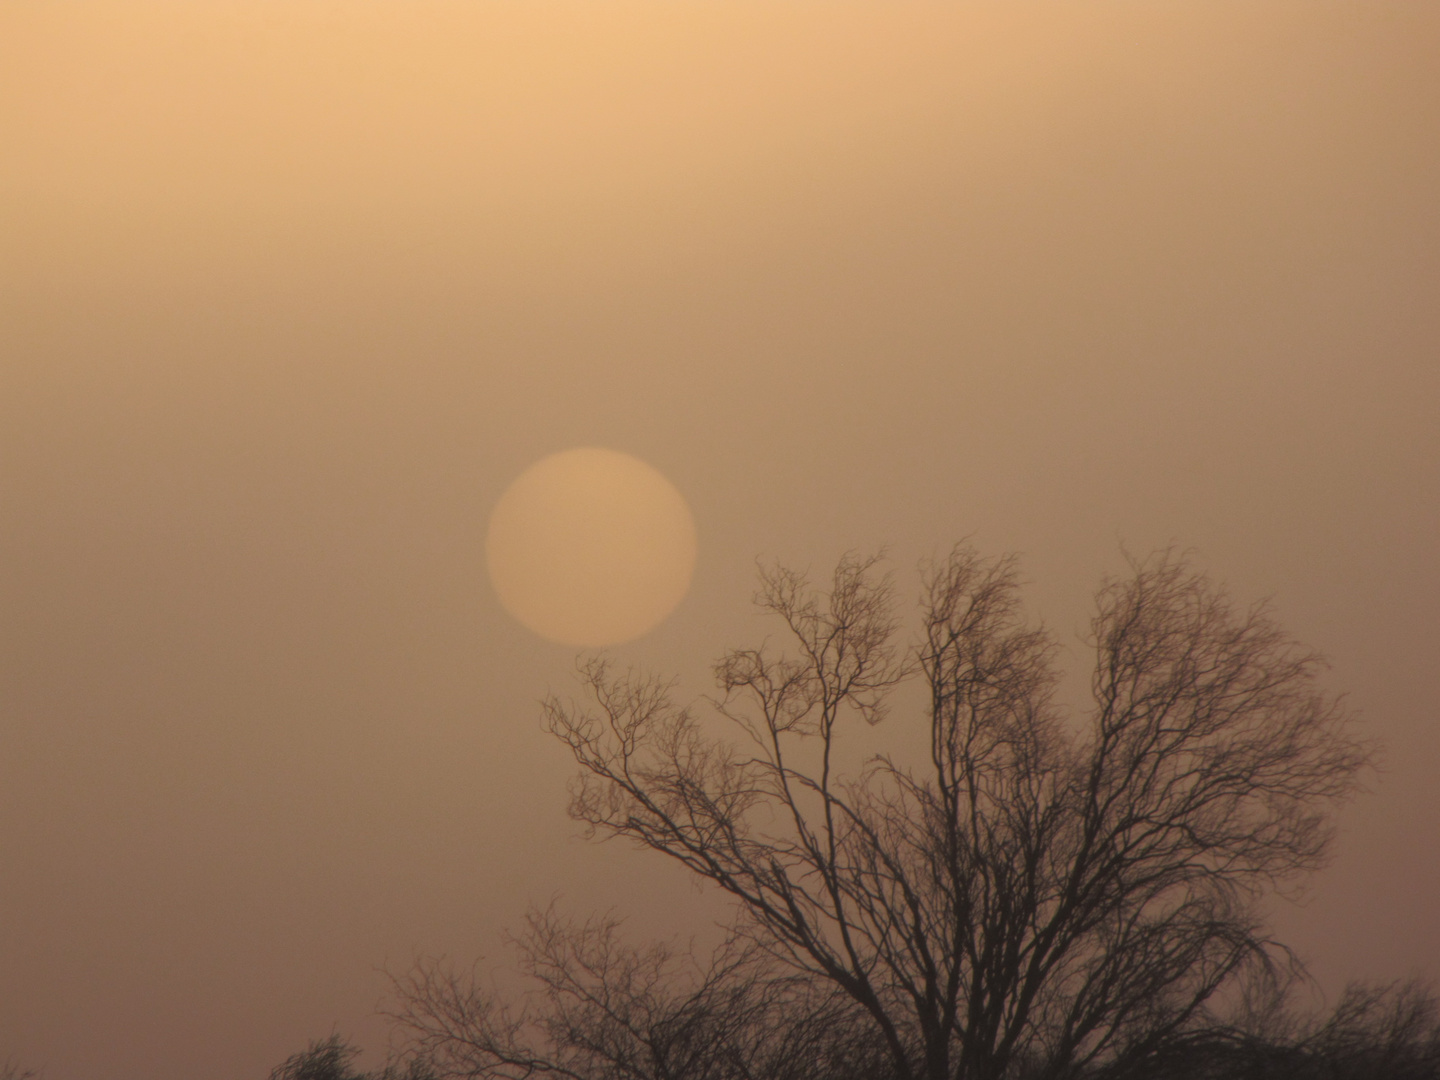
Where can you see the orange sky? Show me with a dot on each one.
(291, 291)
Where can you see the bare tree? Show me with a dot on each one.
(606, 1010)
(1375, 1031)
(324, 1059)
(1026, 899)
(331, 1058)
(1391, 1031)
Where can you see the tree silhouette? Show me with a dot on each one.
(1036, 893)
(1374, 1033)
(1028, 898)
(326, 1059)
(330, 1059)
(608, 1009)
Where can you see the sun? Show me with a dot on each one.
(591, 547)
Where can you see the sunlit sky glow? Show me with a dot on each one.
(292, 291)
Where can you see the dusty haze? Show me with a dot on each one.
(291, 291)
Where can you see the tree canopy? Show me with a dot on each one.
(1037, 891)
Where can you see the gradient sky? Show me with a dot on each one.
(289, 292)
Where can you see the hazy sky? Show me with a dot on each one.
(289, 292)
